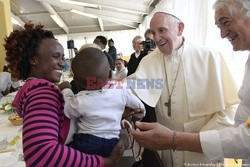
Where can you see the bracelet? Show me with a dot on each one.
(174, 141)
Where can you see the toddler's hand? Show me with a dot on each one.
(64, 85)
(138, 115)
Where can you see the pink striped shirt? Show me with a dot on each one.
(45, 127)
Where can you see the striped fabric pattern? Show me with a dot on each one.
(45, 127)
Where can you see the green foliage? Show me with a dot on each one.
(70, 74)
(7, 107)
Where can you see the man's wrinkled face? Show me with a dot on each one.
(165, 33)
(136, 44)
(234, 27)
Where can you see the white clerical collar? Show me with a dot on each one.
(177, 53)
(137, 55)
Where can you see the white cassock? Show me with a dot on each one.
(201, 99)
(232, 142)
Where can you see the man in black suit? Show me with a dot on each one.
(150, 116)
(112, 49)
(137, 56)
(102, 42)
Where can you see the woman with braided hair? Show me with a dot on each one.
(36, 56)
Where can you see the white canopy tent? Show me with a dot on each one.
(121, 20)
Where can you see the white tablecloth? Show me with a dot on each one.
(8, 132)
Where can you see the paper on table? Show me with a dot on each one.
(3, 142)
(3, 116)
(7, 159)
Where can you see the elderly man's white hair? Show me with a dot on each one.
(89, 45)
(232, 5)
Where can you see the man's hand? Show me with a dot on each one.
(152, 136)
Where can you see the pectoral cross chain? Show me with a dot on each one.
(170, 91)
(168, 104)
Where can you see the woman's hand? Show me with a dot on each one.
(64, 85)
(115, 155)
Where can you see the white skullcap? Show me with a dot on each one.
(169, 11)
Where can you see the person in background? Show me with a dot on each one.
(8, 83)
(112, 50)
(102, 42)
(132, 65)
(5, 83)
(40, 103)
(75, 51)
(120, 56)
(121, 71)
(233, 19)
(194, 92)
(66, 65)
(5, 68)
(149, 34)
(149, 37)
(137, 56)
(99, 125)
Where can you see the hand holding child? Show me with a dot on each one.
(64, 85)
